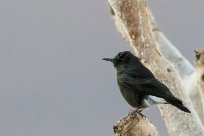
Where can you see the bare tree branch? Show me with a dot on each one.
(135, 124)
(134, 21)
(182, 65)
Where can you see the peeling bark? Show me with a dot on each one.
(135, 22)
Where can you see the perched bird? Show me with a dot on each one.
(139, 86)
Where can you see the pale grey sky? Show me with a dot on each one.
(52, 79)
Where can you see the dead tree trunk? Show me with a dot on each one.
(136, 24)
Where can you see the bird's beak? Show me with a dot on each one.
(108, 59)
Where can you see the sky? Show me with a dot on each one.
(52, 79)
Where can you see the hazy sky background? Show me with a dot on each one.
(52, 79)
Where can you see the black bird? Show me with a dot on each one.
(139, 86)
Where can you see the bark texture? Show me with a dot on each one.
(186, 71)
(135, 22)
(134, 124)
(199, 65)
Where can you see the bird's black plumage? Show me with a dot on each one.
(138, 85)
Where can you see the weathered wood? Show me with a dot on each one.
(135, 124)
(134, 21)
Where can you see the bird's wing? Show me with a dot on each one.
(150, 86)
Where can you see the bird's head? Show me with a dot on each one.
(122, 58)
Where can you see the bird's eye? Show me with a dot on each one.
(122, 55)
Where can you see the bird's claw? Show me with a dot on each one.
(133, 111)
(139, 110)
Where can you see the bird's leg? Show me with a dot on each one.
(133, 111)
(139, 110)
(136, 111)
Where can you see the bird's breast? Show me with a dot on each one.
(130, 96)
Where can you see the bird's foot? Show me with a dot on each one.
(139, 110)
(133, 111)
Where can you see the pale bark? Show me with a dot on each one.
(135, 22)
(134, 124)
(186, 71)
(199, 65)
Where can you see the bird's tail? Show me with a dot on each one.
(178, 103)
